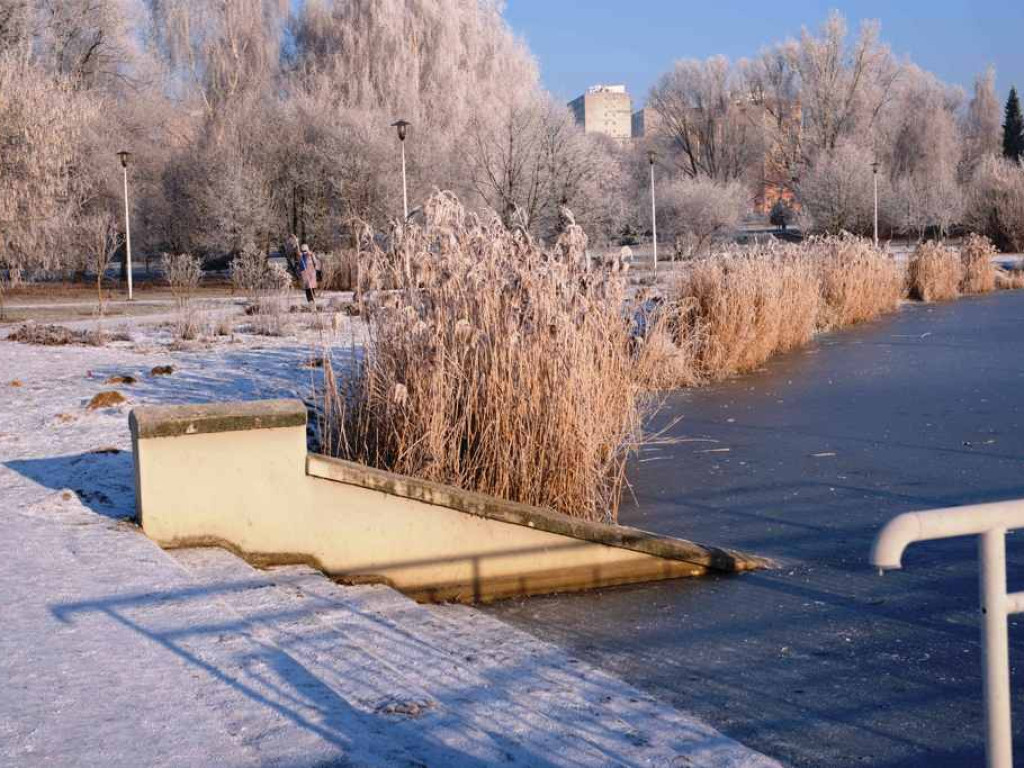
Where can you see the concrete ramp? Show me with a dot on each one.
(238, 476)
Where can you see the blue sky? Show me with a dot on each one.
(633, 41)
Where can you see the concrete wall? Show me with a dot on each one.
(239, 476)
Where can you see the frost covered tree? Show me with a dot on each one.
(529, 160)
(41, 123)
(695, 211)
(982, 124)
(844, 85)
(705, 121)
(99, 239)
(920, 145)
(995, 202)
(837, 191)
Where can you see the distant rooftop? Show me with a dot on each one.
(606, 89)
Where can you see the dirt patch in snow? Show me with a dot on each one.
(106, 400)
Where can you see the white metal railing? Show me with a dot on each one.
(989, 522)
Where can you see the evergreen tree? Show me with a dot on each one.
(1013, 128)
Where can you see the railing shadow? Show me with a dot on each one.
(327, 666)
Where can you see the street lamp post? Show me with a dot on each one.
(124, 155)
(874, 167)
(651, 157)
(403, 128)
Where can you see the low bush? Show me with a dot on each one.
(265, 285)
(220, 324)
(58, 336)
(183, 273)
(979, 272)
(508, 371)
(934, 273)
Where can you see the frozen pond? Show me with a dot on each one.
(824, 662)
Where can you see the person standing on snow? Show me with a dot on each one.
(308, 268)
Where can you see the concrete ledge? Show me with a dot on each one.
(239, 476)
(539, 518)
(178, 420)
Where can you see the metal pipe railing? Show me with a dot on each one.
(990, 522)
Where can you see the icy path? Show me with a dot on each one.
(115, 653)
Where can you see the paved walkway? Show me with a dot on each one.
(116, 653)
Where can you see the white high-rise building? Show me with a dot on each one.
(605, 109)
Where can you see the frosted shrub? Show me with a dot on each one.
(265, 285)
(183, 273)
(247, 272)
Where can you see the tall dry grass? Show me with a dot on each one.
(934, 273)
(858, 282)
(1009, 279)
(495, 366)
(979, 271)
(735, 312)
(340, 271)
(732, 313)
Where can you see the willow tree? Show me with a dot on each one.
(982, 127)
(41, 122)
(443, 65)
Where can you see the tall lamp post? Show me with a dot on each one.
(124, 155)
(403, 128)
(651, 157)
(874, 167)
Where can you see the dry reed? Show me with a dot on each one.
(339, 271)
(746, 307)
(731, 313)
(858, 281)
(1009, 279)
(935, 273)
(495, 366)
(979, 271)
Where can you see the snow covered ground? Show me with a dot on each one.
(116, 653)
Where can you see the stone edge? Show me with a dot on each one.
(181, 420)
(178, 420)
(481, 505)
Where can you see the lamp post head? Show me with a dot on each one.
(651, 156)
(875, 166)
(403, 128)
(124, 155)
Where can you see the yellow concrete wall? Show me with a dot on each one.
(256, 492)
